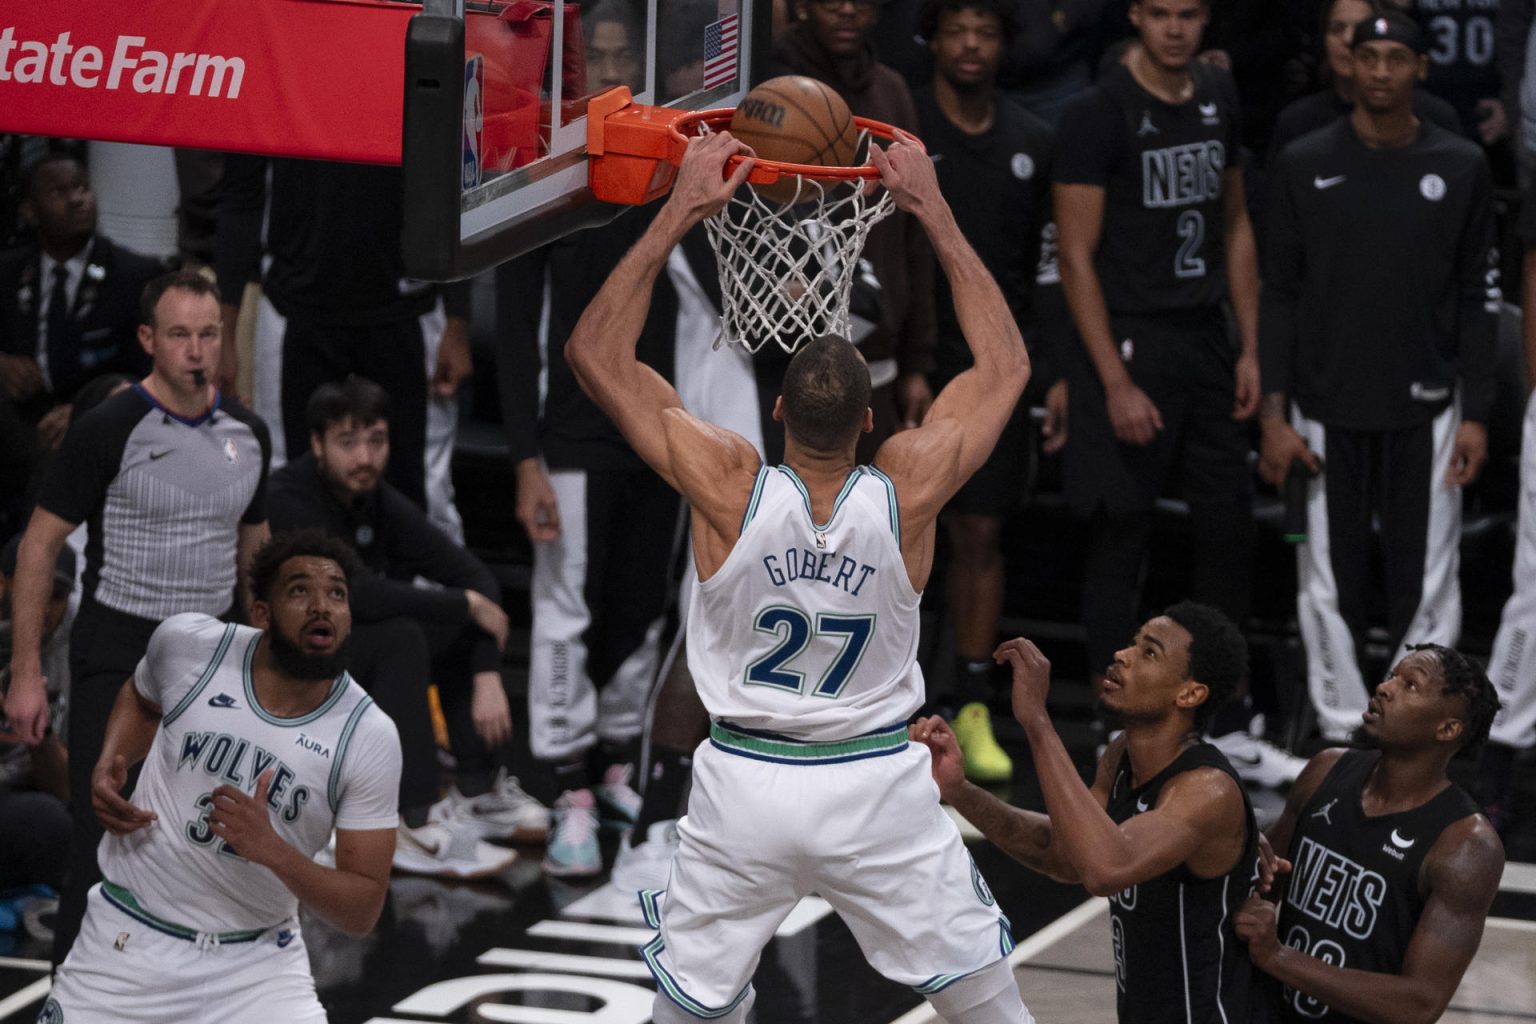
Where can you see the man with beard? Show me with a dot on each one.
(256, 745)
(170, 476)
(408, 636)
(1393, 868)
(1166, 831)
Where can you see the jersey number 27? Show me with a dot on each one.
(794, 630)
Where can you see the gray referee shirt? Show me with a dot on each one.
(164, 497)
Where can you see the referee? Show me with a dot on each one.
(1378, 323)
(171, 476)
(1154, 238)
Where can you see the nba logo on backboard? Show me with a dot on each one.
(474, 120)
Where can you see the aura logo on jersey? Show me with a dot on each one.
(1182, 175)
(1329, 887)
(131, 65)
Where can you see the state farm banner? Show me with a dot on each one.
(306, 78)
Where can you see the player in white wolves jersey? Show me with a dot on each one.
(802, 634)
(255, 745)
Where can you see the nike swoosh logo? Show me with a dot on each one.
(223, 700)
(1399, 842)
(1322, 183)
(160, 455)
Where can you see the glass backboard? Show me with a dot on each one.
(496, 102)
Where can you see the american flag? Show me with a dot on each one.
(720, 44)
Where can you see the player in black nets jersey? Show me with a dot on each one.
(1381, 302)
(1166, 831)
(1154, 237)
(1392, 867)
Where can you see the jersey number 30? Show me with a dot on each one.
(794, 630)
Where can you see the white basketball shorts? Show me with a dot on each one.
(123, 968)
(858, 823)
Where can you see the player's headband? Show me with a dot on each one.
(1393, 27)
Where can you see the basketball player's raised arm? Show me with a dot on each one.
(601, 350)
(980, 400)
(1461, 875)
(1191, 824)
(1025, 836)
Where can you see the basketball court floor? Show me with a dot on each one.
(525, 949)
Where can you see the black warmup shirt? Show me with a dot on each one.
(1353, 896)
(1177, 959)
(1380, 279)
(164, 497)
(333, 234)
(1163, 246)
(558, 281)
(998, 184)
(394, 539)
(1320, 109)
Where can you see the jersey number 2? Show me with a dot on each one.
(1186, 262)
(793, 627)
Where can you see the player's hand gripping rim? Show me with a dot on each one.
(703, 187)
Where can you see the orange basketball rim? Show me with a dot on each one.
(634, 150)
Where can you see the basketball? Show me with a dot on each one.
(797, 120)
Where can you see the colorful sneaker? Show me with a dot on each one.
(985, 761)
(572, 851)
(617, 801)
(1258, 761)
(502, 812)
(448, 849)
(649, 865)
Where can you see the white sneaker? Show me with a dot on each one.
(448, 849)
(617, 802)
(1257, 760)
(649, 865)
(502, 812)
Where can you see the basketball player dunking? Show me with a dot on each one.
(807, 782)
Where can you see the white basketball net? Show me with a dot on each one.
(787, 270)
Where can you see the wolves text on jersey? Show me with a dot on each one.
(240, 763)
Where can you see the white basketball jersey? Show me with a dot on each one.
(337, 766)
(810, 630)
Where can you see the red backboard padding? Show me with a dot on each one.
(306, 78)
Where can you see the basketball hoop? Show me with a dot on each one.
(786, 269)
